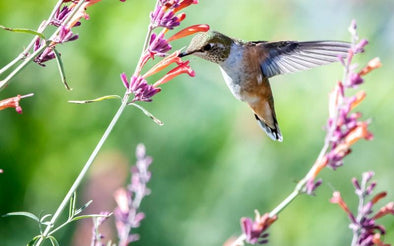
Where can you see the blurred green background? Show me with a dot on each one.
(212, 163)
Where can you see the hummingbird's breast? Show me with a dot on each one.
(240, 77)
(232, 70)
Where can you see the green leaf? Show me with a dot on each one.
(147, 113)
(34, 240)
(97, 99)
(61, 69)
(53, 240)
(71, 209)
(83, 207)
(90, 216)
(44, 217)
(26, 214)
(23, 30)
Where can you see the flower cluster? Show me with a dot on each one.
(344, 128)
(164, 16)
(127, 213)
(255, 230)
(140, 87)
(65, 18)
(96, 235)
(13, 102)
(365, 230)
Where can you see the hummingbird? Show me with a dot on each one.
(247, 66)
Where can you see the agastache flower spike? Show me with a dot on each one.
(127, 213)
(348, 129)
(163, 18)
(96, 235)
(344, 128)
(254, 230)
(65, 34)
(365, 230)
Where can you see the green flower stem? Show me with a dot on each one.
(301, 184)
(84, 170)
(13, 62)
(40, 29)
(4, 83)
(47, 232)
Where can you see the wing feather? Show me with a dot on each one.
(292, 56)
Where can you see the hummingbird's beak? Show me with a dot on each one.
(183, 54)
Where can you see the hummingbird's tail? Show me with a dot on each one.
(273, 133)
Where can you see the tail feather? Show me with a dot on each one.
(273, 133)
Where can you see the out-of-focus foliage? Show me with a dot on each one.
(212, 163)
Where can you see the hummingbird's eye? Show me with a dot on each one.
(207, 47)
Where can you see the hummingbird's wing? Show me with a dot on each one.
(292, 56)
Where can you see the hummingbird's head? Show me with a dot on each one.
(212, 46)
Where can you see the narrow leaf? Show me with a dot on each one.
(147, 113)
(34, 240)
(83, 207)
(97, 99)
(44, 217)
(53, 240)
(23, 30)
(71, 209)
(26, 214)
(90, 216)
(61, 69)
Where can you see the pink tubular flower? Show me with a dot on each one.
(189, 31)
(163, 18)
(336, 198)
(185, 3)
(65, 34)
(180, 69)
(167, 61)
(139, 87)
(254, 230)
(13, 102)
(158, 45)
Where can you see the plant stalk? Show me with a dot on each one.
(84, 170)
